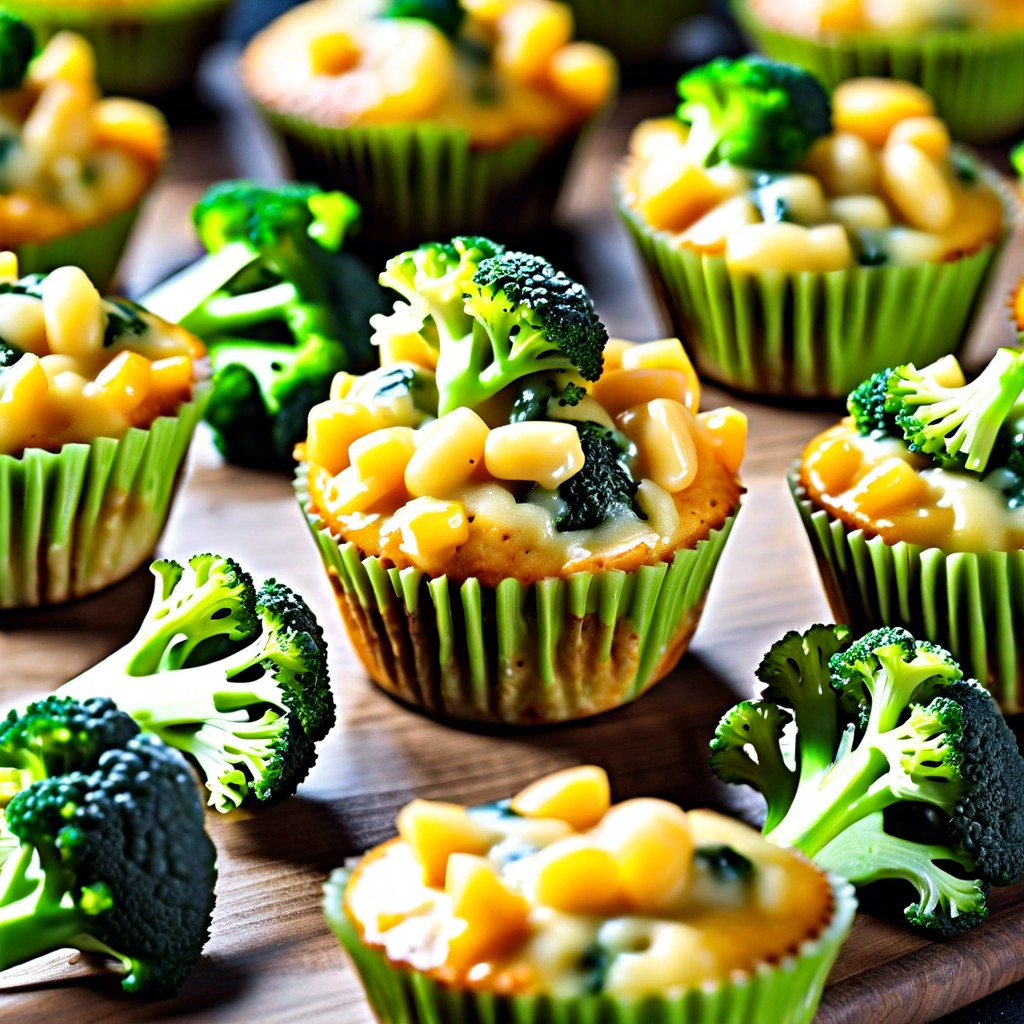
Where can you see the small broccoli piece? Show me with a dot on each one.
(9, 355)
(279, 306)
(447, 15)
(605, 486)
(124, 320)
(1017, 159)
(866, 405)
(752, 111)
(408, 392)
(534, 401)
(903, 769)
(957, 426)
(235, 678)
(17, 48)
(112, 859)
(494, 317)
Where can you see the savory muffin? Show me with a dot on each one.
(557, 898)
(438, 118)
(548, 509)
(98, 402)
(801, 242)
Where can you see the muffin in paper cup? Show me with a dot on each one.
(465, 125)
(145, 49)
(408, 988)
(802, 281)
(634, 32)
(93, 436)
(515, 540)
(975, 75)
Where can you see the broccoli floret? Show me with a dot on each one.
(605, 486)
(1017, 159)
(17, 48)
(124, 320)
(280, 308)
(9, 355)
(887, 734)
(957, 426)
(534, 401)
(866, 405)
(447, 15)
(111, 858)
(235, 678)
(494, 317)
(752, 111)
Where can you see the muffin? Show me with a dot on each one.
(799, 244)
(146, 48)
(75, 167)
(968, 55)
(520, 522)
(914, 506)
(98, 402)
(557, 906)
(462, 119)
(638, 31)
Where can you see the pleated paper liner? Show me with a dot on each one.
(809, 335)
(417, 182)
(970, 603)
(75, 521)
(783, 992)
(146, 49)
(635, 31)
(96, 249)
(551, 651)
(975, 77)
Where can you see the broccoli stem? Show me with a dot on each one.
(227, 314)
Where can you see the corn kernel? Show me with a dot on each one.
(929, 134)
(435, 830)
(487, 11)
(341, 385)
(833, 465)
(946, 372)
(872, 107)
(431, 530)
(657, 134)
(906, 247)
(415, 64)
(548, 453)
(789, 248)
(580, 796)
(727, 429)
(916, 185)
(614, 350)
(24, 385)
(623, 389)
(845, 164)
(652, 843)
(840, 15)
(891, 487)
(858, 212)
(576, 876)
(709, 233)
(131, 125)
(73, 313)
(799, 194)
(452, 452)
(381, 456)
(333, 53)
(672, 192)
(8, 266)
(171, 376)
(584, 74)
(67, 55)
(347, 492)
(663, 430)
(333, 426)
(666, 354)
(493, 917)
(23, 324)
(406, 348)
(124, 382)
(530, 33)
(60, 122)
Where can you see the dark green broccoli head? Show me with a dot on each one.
(126, 866)
(753, 111)
(535, 400)
(866, 405)
(17, 48)
(447, 15)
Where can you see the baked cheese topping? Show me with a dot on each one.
(511, 71)
(883, 188)
(557, 892)
(812, 17)
(470, 493)
(75, 366)
(69, 159)
(878, 485)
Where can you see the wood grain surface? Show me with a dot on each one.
(271, 959)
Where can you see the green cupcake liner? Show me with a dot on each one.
(785, 992)
(811, 334)
(97, 249)
(976, 78)
(73, 522)
(970, 603)
(146, 50)
(421, 181)
(633, 31)
(551, 651)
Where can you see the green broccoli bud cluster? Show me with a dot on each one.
(17, 48)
